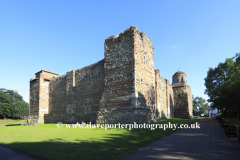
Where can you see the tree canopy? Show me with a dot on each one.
(223, 85)
(201, 103)
(12, 104)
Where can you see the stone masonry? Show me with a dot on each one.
(124, 87)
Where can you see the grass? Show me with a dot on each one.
(82, 143)
(8, 122)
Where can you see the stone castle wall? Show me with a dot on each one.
(124, 87)
(129, 79)
(39, 96)
(190, 105)
(170, 100)
(164, 96)
(75, 97)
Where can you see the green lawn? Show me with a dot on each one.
(9, 122)
(82, 143)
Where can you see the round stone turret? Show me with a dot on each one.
(179, 77)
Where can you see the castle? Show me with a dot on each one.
(124, 87)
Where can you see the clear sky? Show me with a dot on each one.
(60, 36)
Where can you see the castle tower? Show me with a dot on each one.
(39, 96)
(129, 93)
(179, 77)
(182, 96)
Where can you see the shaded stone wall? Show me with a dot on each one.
(161, 96)
(144, 71)
(181, 105)
(89, 86)
(164, 96)
(182, 96)
(170, 100)
(76, 96)
(157, 92)
(34, 97)
(57, 95)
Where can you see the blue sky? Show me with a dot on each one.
(60, 36)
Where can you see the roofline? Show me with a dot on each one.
(47, 72)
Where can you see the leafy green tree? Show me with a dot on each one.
(222, 85)
(12, 104)
(201, 103)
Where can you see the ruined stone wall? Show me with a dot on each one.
(119, 93)
(76, 96)
(170, 100)
(39, 96)
(129, 79)
(157, 92)
(34, 97)
(144, 70)
(43, 98)
(57, 95)
(119, 71)
(89, 85)
(163, 98)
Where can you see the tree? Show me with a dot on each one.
(222, 85)
(201, 103)
(12, 104)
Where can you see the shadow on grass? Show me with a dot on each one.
(112, 146)
(9, 125)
